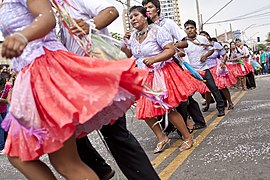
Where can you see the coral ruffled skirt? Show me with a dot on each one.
(223, 81)
(201, 86)
(179, 86)
(60, 94)
(240, 70)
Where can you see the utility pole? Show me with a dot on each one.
(244, 31)
(203, 23)
(128, 7)
(128, 4)
(198, 15)
(125, 15)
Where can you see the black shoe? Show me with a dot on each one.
(205, 109)
(108, 175)
(198, 126)
(221, 113)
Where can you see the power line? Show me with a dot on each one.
(254, 12)
(242, 16)
(238, 19)
(263, 25)
(217, 12)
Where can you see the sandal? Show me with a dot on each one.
(161, 145)
(186, 145)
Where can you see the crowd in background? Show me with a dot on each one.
(7, 78)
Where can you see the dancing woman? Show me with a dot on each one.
(251, 84)
(190, 107)
(223, 79)
(237, 66)
(58, 95)
(152, 46)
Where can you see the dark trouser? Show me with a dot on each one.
(223, 97)
(91, 157)
(194, 111)
(181, 109)
(250, 80)
(210, 83)
(192, 108)
(126, 150)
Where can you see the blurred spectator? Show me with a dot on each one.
(263, 61)
(4, 91)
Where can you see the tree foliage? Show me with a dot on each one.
(260, 46)
(268, 38)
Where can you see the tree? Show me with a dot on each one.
(260, 46)
(268, 38)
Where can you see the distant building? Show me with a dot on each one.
(229, 36)
(170, 9)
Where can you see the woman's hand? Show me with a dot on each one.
(83, 25)
(13, 45)
(203, 58)
(180, 52)
(149, 61)
(178, 45)
(127, 35)
(222, 65)
(234, 59)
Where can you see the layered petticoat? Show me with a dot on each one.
(223, 80)
(249, 66)
(201, 86)
(175, 86)
(60, 94)
(239, 70)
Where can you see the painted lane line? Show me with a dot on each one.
(178, 160)
(167, 152)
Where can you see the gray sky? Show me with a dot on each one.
(209, 7)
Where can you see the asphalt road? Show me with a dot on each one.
(233, 147)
